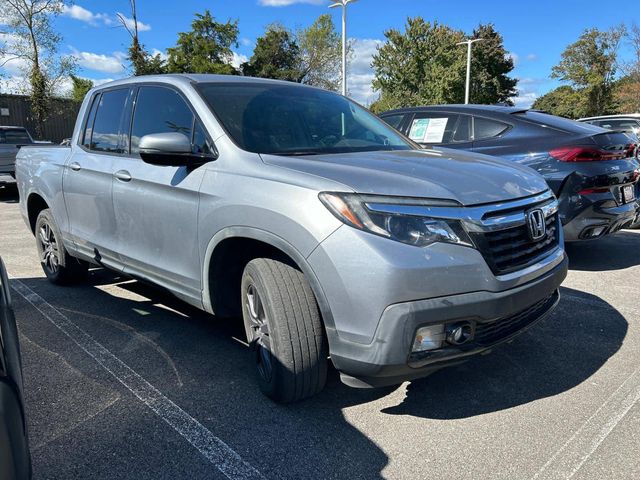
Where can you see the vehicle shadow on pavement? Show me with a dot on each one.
(560, 353)
(202, 364)
(614, 252)
(9, 194)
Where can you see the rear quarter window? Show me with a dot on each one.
(484, 128)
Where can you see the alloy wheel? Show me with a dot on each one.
(49, 250)
(259, 325)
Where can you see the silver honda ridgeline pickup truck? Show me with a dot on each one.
(330, 233)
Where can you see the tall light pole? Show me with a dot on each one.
(468, 43)
(343, 4)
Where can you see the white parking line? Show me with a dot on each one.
(573, 454)
(211, 447)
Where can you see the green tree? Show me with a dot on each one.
(627, 90)
(276, 55)
(490, 67)
(206, 48)
(80, 87)
(320, 54)
(33, 41)
(590, 65)
(564, 101)
(142, 62)
(419, 66)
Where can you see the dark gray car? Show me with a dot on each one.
(591, 170)
(14, 447)
(11, 140)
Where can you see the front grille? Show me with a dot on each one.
(489, 333)
(511, 249)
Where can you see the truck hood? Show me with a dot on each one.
(466, 177)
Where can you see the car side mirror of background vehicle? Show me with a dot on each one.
(171, 149)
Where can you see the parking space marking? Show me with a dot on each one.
(573, 454)
(223, 457)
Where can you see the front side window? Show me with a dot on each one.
(394, 120)
(159, 110)
(295, 120)
(105, 136)
(433, 128)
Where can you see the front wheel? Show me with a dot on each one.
(284, 328)
(59, 267)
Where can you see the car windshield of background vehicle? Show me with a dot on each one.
(16, 136)
(293, 120)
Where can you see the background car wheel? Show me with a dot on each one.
(59, 267)
(284, 329)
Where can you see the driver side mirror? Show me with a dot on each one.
(171, 149)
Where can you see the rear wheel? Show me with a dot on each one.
(59, 267)
(284, 329)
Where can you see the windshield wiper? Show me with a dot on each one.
(300, 153)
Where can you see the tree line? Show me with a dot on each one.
(595, 80)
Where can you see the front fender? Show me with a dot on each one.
(277, 242)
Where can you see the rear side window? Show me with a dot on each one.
(88, 129)
(484, 128)
(105, 136)
(160, 110)
(14, 136)
(394, 120)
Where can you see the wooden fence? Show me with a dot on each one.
(15, 111)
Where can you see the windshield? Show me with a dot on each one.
(14, 136)
(292, 120)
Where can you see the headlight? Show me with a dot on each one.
(420, 231)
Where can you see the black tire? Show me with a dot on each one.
(288, 341)
(59, 267)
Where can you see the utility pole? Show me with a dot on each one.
(468, 43)
(343, 4)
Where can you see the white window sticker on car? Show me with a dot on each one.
(428, 130)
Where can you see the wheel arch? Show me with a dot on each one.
(270, 243)
(35, 204)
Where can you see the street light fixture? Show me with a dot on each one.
(343, 4)
(468, 43)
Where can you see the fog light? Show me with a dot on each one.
(459, 333)
(428, 338)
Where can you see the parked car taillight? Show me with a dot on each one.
(585, 154)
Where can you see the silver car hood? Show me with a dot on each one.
(466, 177)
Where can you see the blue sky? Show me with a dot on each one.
(535, 32)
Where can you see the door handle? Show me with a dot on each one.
(75, 166)
(123, 176)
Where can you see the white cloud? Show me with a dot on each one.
(532, 56)
(142, 27)
(238, 59)
(96, 19)
(101, 63)
(513, 56)
(528, 91)
(285, 3)
(360, 74)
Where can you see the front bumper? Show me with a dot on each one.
(387, 360)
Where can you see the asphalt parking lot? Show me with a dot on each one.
(124, 381)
